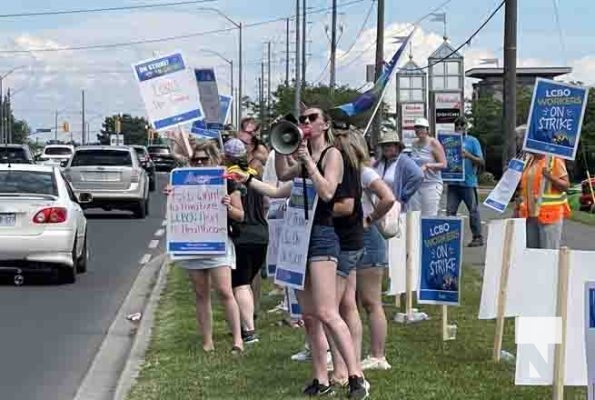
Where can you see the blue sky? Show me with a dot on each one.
(53, 81)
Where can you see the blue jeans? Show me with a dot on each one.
(348, 260)
(324, 244)
(468, 195)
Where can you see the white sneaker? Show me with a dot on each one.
(375, 363)
(304, 355)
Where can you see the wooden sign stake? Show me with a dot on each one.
(562, 313)
(503, 287)
(409, 266)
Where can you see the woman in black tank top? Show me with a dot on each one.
(324, 166)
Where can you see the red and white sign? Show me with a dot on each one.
(410, 112)
(447, 100)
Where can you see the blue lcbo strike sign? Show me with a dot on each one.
(441, 260)
(555, 119)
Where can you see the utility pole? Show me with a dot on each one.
(379, 66)
(333, 46)
(298, 79)
(83, 126)
(260, 95)
(510, 54)
(9, 117)
(56, 126)
(304, 42)
(240, 93)
(269, 85)
(287, 52)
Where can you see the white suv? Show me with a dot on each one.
(114, 177)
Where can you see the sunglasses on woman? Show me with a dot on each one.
(310, 117)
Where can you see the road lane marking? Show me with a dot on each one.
(160, 233)
(146, 258)
(153, 244)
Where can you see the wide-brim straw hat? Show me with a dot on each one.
(389, 137)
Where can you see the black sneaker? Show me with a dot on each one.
(476, 242)
(249, 337)
(358, 388)
(317, 389)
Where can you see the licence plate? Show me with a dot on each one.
(8, 219)
(102, 176)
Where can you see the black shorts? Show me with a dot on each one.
(250, 258)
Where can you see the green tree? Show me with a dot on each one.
(585, 158)
(321, 96)
(486, 116)
(133, 128)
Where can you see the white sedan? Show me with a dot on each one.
(42, 225)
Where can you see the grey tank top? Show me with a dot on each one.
(422, 154)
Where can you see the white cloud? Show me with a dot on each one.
(53, 80)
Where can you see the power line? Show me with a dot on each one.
(559, 26)
(157, 40)
(466, 42)
(361, 30)
(419, 20)
(96, 10)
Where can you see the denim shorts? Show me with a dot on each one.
(348, 260)
(375, 249)
(324, 244)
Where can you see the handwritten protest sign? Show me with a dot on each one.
(196, 217)
(275, 220)
(453, 147)
(441, 258)
(295, 238)
(555, 119)
(168, 90)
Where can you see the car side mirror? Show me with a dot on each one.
(64, 163)
(85, 198)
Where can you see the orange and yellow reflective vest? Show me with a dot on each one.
(554, 203)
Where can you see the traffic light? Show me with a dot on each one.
(66, 126)
(118, 126)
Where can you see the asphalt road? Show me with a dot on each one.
(50, 333)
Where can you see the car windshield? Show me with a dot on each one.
(27, 182)
(57, 151)
(13, 154)
(159, 150)
(104, 158)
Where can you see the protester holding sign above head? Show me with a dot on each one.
(251, 240)
(214, 271)
(428, 153)
(323, 164)
(466, 191)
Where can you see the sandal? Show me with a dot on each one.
(236, 350)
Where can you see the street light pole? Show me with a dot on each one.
(298, 80)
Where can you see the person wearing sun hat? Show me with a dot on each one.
(397, 169)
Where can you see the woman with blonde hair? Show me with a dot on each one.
(350, 230)
(323, 164)
(215, 271)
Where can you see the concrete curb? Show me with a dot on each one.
(142, 338)
(102, 378)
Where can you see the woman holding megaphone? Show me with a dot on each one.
(322, 163)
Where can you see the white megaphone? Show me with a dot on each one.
(286, 137)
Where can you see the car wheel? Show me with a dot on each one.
(81, 265)
(141, 209)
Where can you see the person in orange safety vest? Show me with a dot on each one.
(544, 214)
